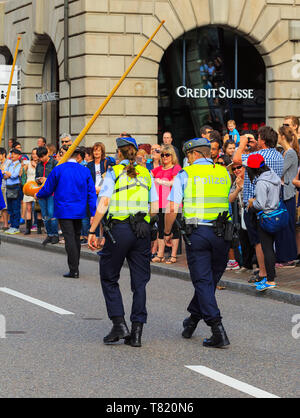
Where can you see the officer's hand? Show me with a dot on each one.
(93, 242)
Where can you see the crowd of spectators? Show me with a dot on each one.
(279, 154)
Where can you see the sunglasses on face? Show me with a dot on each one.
(64, 142)
(158, 151)
(165, 155)
(286, 124)
(237, 168)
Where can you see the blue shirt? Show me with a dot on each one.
(2, 202)
(273, 160)
(73, 189)
(234, 133)
(14, 169)
(110, 180)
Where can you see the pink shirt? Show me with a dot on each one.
(167, 175)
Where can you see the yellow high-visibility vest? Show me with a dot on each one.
(206, 193)
(131, 195)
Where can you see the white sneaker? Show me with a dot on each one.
(12, 231)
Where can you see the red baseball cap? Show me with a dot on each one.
(255, 161)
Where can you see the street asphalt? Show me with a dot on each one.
(48, 354)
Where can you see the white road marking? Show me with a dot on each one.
(35, 301)
(234, 383)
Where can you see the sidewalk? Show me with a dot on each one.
(288, 280)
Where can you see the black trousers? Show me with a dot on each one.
(267, 242)
(71, 229)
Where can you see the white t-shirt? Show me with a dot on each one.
(98, 175)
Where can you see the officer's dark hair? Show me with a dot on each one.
(41, 152)
(254, 173)
(269, 136)
(129, 153)
(3, 151)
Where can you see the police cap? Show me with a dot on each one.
(195, 143)
(122, 142)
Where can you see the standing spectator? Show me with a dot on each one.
(206, 131)
(293, 123)
(229, 148)
(142, 157)
(267, 199)
(233, 132)
(285, 242)
(41, 142)
(88, 155)
(99, 165)
(155, 160)
(28, 200)
(13, 191)
(168, 140)
(65, 139)
(215, 150)
(236, 197)
(4, 163)
(267, 141)
(51, 150)
(43, 169)
(61, 152)
(164, 176)
(2, 202)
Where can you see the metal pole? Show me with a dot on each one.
(99, 111)
(9, 88)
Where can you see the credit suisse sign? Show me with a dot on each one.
(221, 93)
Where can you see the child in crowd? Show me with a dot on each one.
(233, 132)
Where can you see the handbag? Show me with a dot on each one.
(274, 221)
(12, 192)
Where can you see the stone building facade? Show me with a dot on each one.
(104, 36)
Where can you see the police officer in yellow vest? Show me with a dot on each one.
(126, 193)
(203, 188)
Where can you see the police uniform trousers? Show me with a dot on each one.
(137, 252)
(71, 229)
(207, 260)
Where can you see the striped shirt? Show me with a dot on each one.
(273, 159)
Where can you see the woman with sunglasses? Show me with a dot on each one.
(155, 160)
(236, 201)
(164, 178)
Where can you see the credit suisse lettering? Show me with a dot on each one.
(222, 93)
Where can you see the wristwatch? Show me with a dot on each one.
(167, 235)
(91, 232)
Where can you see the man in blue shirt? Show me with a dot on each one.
(73, 189)
(267, 141)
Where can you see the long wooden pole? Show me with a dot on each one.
(9, 89)
(99, 111)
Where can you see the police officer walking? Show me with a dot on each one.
(124, 198)
(203, 188)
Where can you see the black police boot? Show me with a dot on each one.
(28, 227)
(189, 325)
(219, 337)
(72, 275)
(119, 331)
(135, 338)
